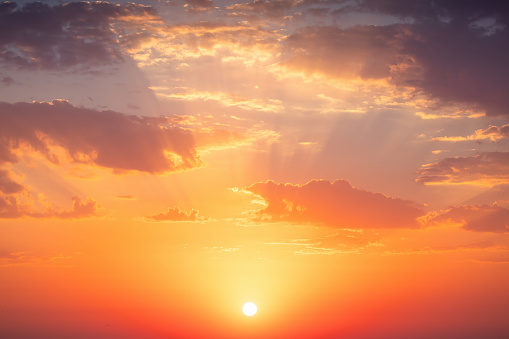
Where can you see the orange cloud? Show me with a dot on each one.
(484, 169)
(492, 133)
(11, 207)
(175, 214)
(479, 218)
(336, 204)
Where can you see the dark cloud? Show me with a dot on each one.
(175, 214)
(487, 168)
(479, 218)
(106, 138)
(454, 52)
(41, 36)
(437, 10)
(461, 48)
(335, 204)
(7, 81)
(362, 51)
(265, 8)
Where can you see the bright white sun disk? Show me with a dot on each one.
(249, 309)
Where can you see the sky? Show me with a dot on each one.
(342, 164)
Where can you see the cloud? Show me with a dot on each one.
(262, 9)
(363, 51)
(492, 133)
(484, 169)
(175, 214)
(450, 52)
(127, 197)
(47, 37)
(7, 81)
(478, 218)
(335, 204)
(24, 258)
(7, 185)
(199, 5)
(11, 207)
(105, 138)
(460, 48)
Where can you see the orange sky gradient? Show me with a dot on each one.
(344, 165)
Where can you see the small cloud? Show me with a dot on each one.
(199, 5)
(127, 197)
(175, 214)
(7, 81)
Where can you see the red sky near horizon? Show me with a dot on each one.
(344, 165)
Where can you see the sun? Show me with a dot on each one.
(249, 309)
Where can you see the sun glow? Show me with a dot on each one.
(249, 309)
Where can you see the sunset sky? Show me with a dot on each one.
(342, 164)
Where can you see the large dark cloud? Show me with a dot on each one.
(335, 204)
(436, 10)
(461, 47)
(106, 138)
(41, 36)
(455, 52)
(365, 51)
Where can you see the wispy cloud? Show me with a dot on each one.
(484, 169)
